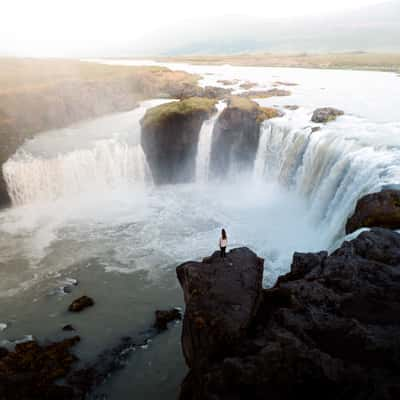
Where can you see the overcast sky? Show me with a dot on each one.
(59, 27)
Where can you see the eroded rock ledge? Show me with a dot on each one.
(170, 134)
(380, 209)
(328, 329)
(236, 135)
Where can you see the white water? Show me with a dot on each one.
(261, 156)
(93, 156)
(327, 168)
(204, 146)
(85, 212)
(31, 179)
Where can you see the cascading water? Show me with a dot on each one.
(329, 170)
(122, 244)
(204, 145)
(261, 156)
(97, 155)
(31, 179)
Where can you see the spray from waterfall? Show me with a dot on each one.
(204, 146)
(328, 170)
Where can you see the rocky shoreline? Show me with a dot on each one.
(327, 329)
(33, 370)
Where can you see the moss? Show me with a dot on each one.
(247, 105)
(268, 113)
(188, 106)
(243, 103)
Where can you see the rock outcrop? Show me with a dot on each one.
(265, 94)
(376, 210)
(169, 138)
(326, 114)
(327, 329)
(221, 299)
(189, 90)
(164, 317)
(31, 371)
(81, 303)
(236, 135)
(39, 95)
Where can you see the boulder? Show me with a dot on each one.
(327, 329)
(376, 210)
(80, 304)
(236, 135)
(68, 328)
(163, 317)
(170, 134)
(325, 114)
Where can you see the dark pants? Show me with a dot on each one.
(223, 252)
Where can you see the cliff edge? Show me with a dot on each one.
(328, 329)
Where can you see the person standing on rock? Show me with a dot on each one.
(223, 242)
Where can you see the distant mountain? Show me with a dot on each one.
(372, 28)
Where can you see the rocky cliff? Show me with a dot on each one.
(38, 95)
(376, 209)
(170, 136)
(328, 329)
(236, 135)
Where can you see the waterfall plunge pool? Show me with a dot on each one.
(87, 209)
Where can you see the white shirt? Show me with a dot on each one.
(223, 242)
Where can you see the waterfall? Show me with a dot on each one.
(204, 145)
(109, 163)
(261, 156)
(331, 171)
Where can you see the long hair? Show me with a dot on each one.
(223, 234)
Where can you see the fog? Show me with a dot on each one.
(124, 28)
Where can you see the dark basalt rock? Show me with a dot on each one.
(3, 352)
(30, 372)
(221, 298)
(169, 138)
(325, 114)
(327, 329)
(163, 317)
(80, 304)
(376, 210)
(235, 137)
(68, 328)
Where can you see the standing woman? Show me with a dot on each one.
(223, 242)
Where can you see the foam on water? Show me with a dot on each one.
(86, 191)
(86, 209)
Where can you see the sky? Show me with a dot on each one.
(62, 27)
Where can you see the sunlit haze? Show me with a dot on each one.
(57, 28)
